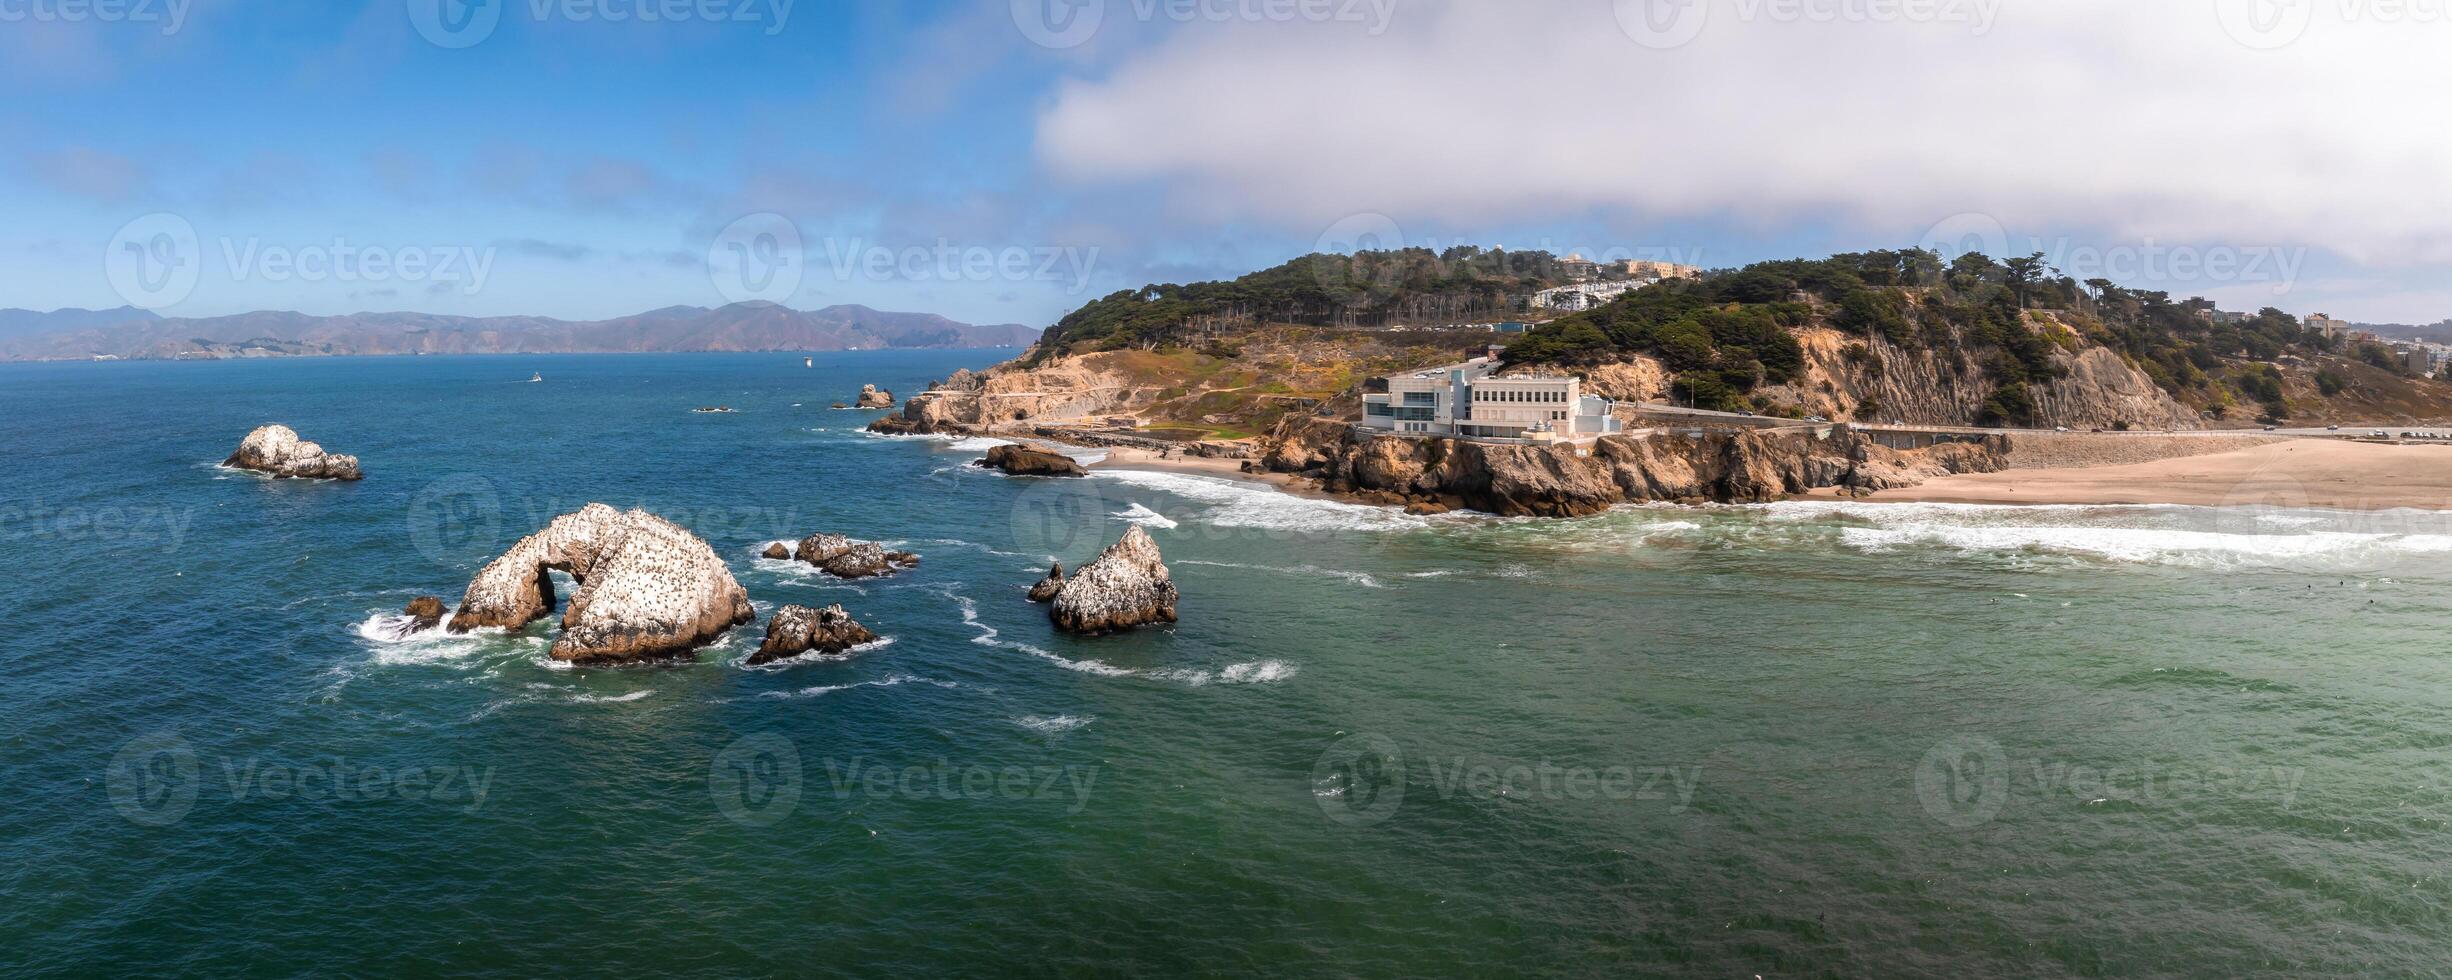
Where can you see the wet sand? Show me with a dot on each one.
(2298, 473)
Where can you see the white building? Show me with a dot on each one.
(1467, 401)
(1585, 295)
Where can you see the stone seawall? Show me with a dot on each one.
(2076, 450)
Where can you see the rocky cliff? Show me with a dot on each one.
(1867, 379)
(1125, 586)
(1559, 482)
(647, 587)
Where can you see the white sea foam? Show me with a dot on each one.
(609, 698)
(893, 680)
(978, 444)
(1257, 672)
(1237, 503)
(989, 637)
(1363, 579)
(2150, 545)
(1053, 725)
(1144, 516)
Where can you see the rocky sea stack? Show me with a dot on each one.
(1124, 587)
(798, 630)
(844, 557)
(1025, 461)
(1048, 587)
(277, 450)
(872, 396)
(647, 587)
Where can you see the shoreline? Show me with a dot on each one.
(2313, 474)
(2318, 474)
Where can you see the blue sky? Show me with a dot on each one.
(1006, 160)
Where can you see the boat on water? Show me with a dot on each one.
(536, 376)
(808, 362)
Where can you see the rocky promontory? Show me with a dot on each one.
(1124, 587)
(647, 587)
(1556, 481)
(1025, 461)
(873, 397)
(844, 557)
(276, 449)
(799, 630)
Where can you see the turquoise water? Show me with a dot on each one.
(1788, 740)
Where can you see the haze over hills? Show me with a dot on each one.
(127, 333)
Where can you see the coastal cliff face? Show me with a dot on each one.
(647, 587)
(1545, 481)
(1868, 379)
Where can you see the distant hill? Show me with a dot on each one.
(30, 323)
(78, 334)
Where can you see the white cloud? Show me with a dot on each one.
(2127, 119)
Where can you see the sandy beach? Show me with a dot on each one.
(2299, 473)
(1124, 458)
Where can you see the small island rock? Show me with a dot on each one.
(425, 611)
(1049, 586)
(844, 557)
(873, 397)
(1025, 461)
(647, 587)
(1124, 587)
(776, 550)
(276, 449)
(798, 630)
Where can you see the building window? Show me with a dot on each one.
(1380, 409)
(1421, 398)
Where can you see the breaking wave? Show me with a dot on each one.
(1236, 503)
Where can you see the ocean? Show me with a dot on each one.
(1801, 739)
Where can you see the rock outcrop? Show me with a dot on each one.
(873, 397)
(844, 557)
(1025, 461)
(1740, 467)
(1048, 587)
(424, 612)
(1124, 587)
(277, 450)
(799, 630)
(647, 587)
(776, 550)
